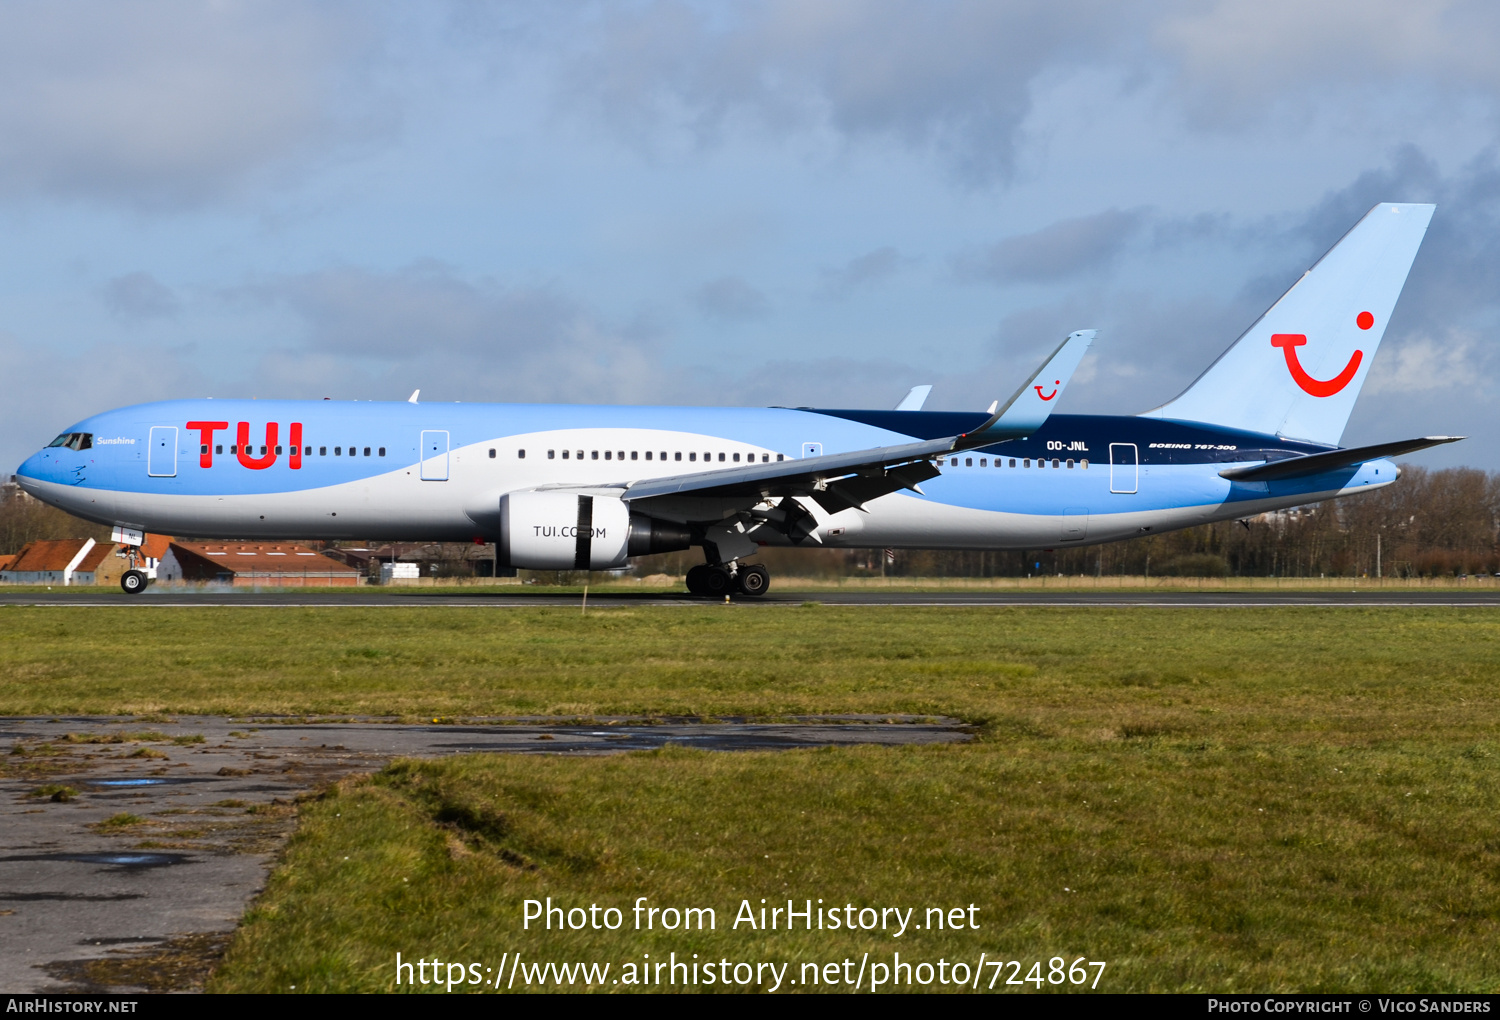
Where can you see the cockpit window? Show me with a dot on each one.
(74, 441)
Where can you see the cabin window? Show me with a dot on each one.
(721, 458)
(565, 455)
(492, 453)
(677, 457)
(691, 456)
(367, 451)
(648, 455)
(1084, 464)
(968, 462)
(203, 448)
(736, 458)
(338, 451)
(219, 448)
(278, 451)
(780, 457)
(579, 455)
(234, 449)
(983, 462)
(382, 453)
(1025, 462)
(1056, 463)
(1070, 463)
(307, 451)
(606, 455)
(636, 456)
(593, 455)
(1013, 462)
(552, 454)
(621, 455)
(322, 451)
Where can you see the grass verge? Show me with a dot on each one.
(1186, 862)
(1268, 799)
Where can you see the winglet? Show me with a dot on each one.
(413, 398)
(1032, 404)
(915, 398)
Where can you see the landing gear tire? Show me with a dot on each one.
(717, 583)
(695, 580)
(754, 581)
(133, 582)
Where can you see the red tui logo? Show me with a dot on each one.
(1289, 342)
(1048, 396)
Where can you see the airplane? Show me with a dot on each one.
(562, 487)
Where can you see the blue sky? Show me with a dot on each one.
(757, 203)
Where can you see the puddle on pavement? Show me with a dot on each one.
(115, 784)
(127, 859)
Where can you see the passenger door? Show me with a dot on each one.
(435, 456)
(161, 453)
(1124, 467)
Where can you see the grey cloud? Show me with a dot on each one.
(1236, 60)
(139, 297)
(483, 340)
(1057, 252)
(953, 77)
(170, 104)
(64, 386)
(870, 267)
(731, 298)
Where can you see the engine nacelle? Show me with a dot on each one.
(568, 531)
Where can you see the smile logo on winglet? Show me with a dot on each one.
(1048, 396)
(1289, 342)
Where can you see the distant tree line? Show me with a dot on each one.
(1429, 524)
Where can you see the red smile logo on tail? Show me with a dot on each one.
(1289, 342)
(1048, 396)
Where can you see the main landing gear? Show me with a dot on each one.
(715, 582)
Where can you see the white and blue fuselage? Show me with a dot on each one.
(346, 470)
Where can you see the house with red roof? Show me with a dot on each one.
(243, 564)
(65, 561)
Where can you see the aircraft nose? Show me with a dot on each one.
(35, 468)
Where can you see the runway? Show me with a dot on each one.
(515, 597)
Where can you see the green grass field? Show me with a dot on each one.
(1225, 800)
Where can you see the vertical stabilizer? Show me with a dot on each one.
(1299, 369)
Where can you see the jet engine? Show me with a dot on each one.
(569, 531)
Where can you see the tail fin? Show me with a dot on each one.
(1298, 370)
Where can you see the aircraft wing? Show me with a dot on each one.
(1317, 463)
(838, 481)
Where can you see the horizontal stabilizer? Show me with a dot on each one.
(1317, 463)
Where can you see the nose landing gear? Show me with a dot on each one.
(715, 581)
(133, 581)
